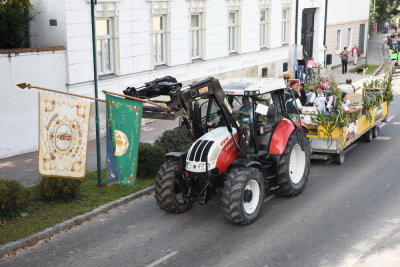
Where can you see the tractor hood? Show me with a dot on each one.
(213, 148)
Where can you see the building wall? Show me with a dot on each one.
(319, 20)
(134, 59)
(331, 39)
(340, 11)
(341, 16)
(19, 110)
(42, 34)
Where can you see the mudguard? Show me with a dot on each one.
(179, 156)
(241, 162)
(280, 137)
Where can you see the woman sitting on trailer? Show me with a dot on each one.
(346, 103)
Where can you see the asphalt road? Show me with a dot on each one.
(348, 215)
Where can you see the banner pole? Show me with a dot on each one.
(92, 3)
(29, 86)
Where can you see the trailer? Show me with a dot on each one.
(342, 138)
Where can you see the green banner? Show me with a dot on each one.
(123, 132)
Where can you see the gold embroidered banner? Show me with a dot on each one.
(63, 135)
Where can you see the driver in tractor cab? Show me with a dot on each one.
(245, 113)
(245, 116)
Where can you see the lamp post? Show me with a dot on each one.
(92, 3)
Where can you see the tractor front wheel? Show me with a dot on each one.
(168, 194)
(293, 167)
(243, 195)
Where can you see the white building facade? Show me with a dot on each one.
(347, 25)
(140, 40)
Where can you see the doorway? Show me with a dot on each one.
(307, 32)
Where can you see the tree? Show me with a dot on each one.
(14, 21)
(384, 9)
(21, 3)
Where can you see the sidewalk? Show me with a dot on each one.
(375, 52)
(24, 168)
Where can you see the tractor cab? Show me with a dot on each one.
(260, 105)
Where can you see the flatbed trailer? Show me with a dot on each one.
(341, 139)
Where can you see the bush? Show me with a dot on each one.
(13, 197)
(150, 159)
(59, 189)
(14, 21)
(175, 140)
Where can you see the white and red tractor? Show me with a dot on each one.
(249, 141)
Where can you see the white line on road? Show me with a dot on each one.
(390, 118)
(384, 138)
(382, 124)
(396, 123)
(147, 129)
(166, 257)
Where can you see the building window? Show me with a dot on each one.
(349, 37)
(264, 28)
(233, 30)
(159, 39)
(104, 46)
(285, 26)
(338, 40)
(196, 35)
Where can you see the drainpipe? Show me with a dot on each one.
(295, 32)
(326, 19)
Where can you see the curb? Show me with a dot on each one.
(382, 60)
(48, 232)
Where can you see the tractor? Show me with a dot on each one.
(249, 141)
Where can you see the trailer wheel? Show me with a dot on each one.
(293, 167)
(243, 195)
(375, 132)
(339, 158)
(368, 136)
(167, 192)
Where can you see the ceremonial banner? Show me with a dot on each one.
(63, 135)
(123, 131)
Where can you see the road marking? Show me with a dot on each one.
(390, 118)
(166, 257)
(384, 138)
(396, 123)
(382, 124)
(145, 129)
(329, 162)
(269, 198)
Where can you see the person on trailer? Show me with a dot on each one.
(319, 99)
(346, 104)
(302, 92)
(289, 101)
(324, 83)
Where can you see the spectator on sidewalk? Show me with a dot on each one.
(355, 51)
(344, 55)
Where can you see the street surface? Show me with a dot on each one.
(348, 215)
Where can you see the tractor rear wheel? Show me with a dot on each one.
(167, 192)
(293, 167)
(243, 195)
